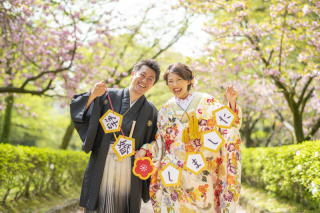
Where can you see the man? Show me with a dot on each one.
(108, 184)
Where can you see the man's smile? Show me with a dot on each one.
(141, 86)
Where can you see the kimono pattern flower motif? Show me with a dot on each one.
(217, 188)
(184, 103)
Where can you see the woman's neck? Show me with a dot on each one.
(185, 96)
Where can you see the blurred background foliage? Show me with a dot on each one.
(205, 35)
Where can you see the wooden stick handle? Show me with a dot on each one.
(114, 134)
(132, 128)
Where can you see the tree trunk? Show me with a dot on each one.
(247, 134)
(248, 140)
(67, 136)
(5, 136)
(298, 127)
(5, 196)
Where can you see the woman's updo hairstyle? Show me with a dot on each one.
(181, 70)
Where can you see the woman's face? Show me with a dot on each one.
(178, 86)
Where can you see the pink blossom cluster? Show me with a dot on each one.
(279, 49)
(43, 45)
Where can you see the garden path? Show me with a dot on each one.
(147, 208)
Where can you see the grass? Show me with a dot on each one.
(271, 202)
(41, 203)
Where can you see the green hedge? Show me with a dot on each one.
(28, 171)
(291, 171)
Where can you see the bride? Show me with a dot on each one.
(216, 188)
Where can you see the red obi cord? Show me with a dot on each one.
(168, 143)
(148, 153)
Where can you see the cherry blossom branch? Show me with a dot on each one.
(270, 56)
(43, 73)
(304, 102)
(257, 48)
(281, 40)
(22, 90)
(134, 33)
(255, 122)
(177, 36)
(305, 87)
(295, 84)
(313, 130)
(180, 33)
(91, 27)
(281, 118)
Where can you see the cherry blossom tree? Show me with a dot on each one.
(130, 42)
(59, 48)
(39, 47)
(260, 125)
(278, 42)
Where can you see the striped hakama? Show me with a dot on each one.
(114, 191)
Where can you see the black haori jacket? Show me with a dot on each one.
(95, 140)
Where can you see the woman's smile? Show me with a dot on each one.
(177, 91)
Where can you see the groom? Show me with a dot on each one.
(86, 110)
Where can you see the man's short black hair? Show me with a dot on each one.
(151, 63)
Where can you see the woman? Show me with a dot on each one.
(215, 189)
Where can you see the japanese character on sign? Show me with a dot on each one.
(111, 121)
(212, 140)
(123, 147)
(170, 175)
(195, 162)
(225, 117)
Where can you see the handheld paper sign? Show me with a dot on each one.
(111, 121)
(224, 117)
(195, 162)
(124, 147)
(212, 140)
(170, 175)
(143, 168)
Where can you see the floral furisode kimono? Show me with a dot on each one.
(217, 188)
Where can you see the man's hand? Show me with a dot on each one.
(141, 153)
(99, 89)
(232, 94)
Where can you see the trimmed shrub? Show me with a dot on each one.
(290, 171)
(28, 171)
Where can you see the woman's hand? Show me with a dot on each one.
(232, 94)
(141, 153)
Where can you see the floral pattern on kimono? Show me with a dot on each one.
(217, 188)
(184, 103)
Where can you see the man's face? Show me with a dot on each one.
(142, 80)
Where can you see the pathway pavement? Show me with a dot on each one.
(147, 208)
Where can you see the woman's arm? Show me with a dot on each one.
(230, 179)
(232, 94)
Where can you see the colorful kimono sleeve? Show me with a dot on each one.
(154, 149)
(230, 178)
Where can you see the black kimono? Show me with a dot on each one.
(95, 140)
